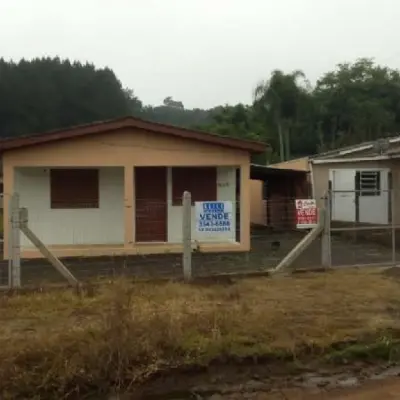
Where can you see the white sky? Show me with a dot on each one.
(202, 52)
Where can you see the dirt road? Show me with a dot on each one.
(370, 391)
(373, 390)
(345, 383)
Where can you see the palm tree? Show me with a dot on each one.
(277, 100)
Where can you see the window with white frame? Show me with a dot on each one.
(370, 183)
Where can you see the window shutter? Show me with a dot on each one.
(201, 182)
(74, 188)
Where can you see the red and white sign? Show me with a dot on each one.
(306, 213)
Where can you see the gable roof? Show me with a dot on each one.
(130, 122)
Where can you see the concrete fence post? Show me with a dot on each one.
(187, 235)
(393, 223)
(16, 242)
(10, 201)
(326, 252)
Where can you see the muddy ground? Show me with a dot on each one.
(353, 383)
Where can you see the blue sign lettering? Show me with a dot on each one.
(213, 206)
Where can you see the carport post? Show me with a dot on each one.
(187, 235)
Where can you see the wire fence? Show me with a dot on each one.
(101, 243)
(98, 243)
(364, 227)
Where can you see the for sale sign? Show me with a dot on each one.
(214, 216)
(306, 213)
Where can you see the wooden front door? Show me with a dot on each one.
(151, 204)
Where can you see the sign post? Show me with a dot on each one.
(306, 213)
(187, 235)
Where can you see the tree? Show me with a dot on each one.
(355, 102)
(134, 103)
(239, 121)
(170, 102)
(44, 94)
(278, 101)
(358, 102)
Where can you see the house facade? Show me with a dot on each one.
(364, 181)
(115, 187)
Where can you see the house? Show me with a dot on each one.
(273, 194)
(360, 179)
(115, 187)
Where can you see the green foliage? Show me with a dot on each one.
(167, 114)
(45, 94)
(353, 103)
(357, 102)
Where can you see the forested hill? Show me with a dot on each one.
(355, 102)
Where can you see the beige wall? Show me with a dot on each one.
(320, 176)
(130, 148)
(300, 164)
(258, 209)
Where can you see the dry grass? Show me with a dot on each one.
(59, 343)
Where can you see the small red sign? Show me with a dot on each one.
(306, 213)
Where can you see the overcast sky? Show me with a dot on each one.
(202, 52)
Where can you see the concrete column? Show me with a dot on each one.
(245, 206)
(8, 189)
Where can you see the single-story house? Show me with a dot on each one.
(115, 187)
(273, 194)
(360, 178)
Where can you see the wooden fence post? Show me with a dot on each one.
(187, 235)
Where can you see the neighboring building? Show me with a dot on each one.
(273, 194)
(115, 187)
(258, 208)
(360, 178)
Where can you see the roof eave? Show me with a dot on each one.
(130, 122)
